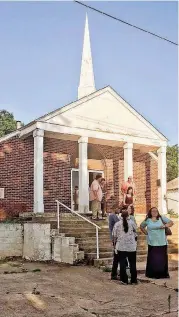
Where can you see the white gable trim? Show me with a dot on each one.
(9, 136)
(155, 157)
(56, 128)
(96, 94)
(135, 113)
(71, 105)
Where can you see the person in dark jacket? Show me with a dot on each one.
(113, 218)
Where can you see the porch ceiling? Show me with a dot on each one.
(70, 137)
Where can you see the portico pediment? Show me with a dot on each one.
(104, 111)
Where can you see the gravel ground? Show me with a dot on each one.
(79, 291)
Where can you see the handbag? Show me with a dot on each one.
(168, 231)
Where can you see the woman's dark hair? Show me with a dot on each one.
(123, 208)
(129, 188)
(149, 214)
(125, 223)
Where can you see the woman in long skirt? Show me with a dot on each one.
(157, 258)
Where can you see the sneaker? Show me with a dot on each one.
(123, 283)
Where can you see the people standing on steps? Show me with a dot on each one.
(96, 197)
(113, 218)
(126, 185)
(76, 198)
(156, 228)
(125, 246)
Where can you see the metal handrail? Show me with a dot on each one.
(80, 216)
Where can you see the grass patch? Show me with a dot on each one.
(107, 269)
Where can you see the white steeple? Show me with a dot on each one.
(86, 85)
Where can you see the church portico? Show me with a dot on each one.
(117, 161)
(100, 132)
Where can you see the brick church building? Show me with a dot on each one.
(98, 133)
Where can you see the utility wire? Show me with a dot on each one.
(127, 23)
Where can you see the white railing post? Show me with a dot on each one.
(80, 216)
(58, 217)
(97, 244)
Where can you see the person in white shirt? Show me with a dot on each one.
(96, 197)
(125, 246)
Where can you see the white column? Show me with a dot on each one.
(83, 175)
(162, 189)
(38, 171)
(128, 160)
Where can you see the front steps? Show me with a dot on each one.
(85, 235)
(64, 249)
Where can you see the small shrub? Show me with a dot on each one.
(107, 269)
(172, 213)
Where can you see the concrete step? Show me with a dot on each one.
(80, 255)
(140, 259)
(102, 261)
(84, 229)
(109, 254)
(107, 248)
(92, 255)
(85, 235)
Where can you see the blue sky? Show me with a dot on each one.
(40, 56)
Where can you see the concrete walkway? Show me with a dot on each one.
(36, 290)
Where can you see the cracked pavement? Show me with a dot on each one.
(80, 291)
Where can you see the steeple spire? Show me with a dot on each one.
(86, 85)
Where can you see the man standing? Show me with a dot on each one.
(96, 197)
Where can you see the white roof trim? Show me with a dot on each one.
(97, 93)
(56, 128)
(155, 157)
(9, 136)
(28, 129)
(32, 125)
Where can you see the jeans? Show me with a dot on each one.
(122, 256)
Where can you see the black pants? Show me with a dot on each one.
(103, 209)
(115, 264)
(132, 263)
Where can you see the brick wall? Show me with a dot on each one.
(145, 170)
(59, 158)
(16, 172)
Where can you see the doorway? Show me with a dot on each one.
(75, 185)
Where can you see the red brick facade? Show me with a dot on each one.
(16, 173)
